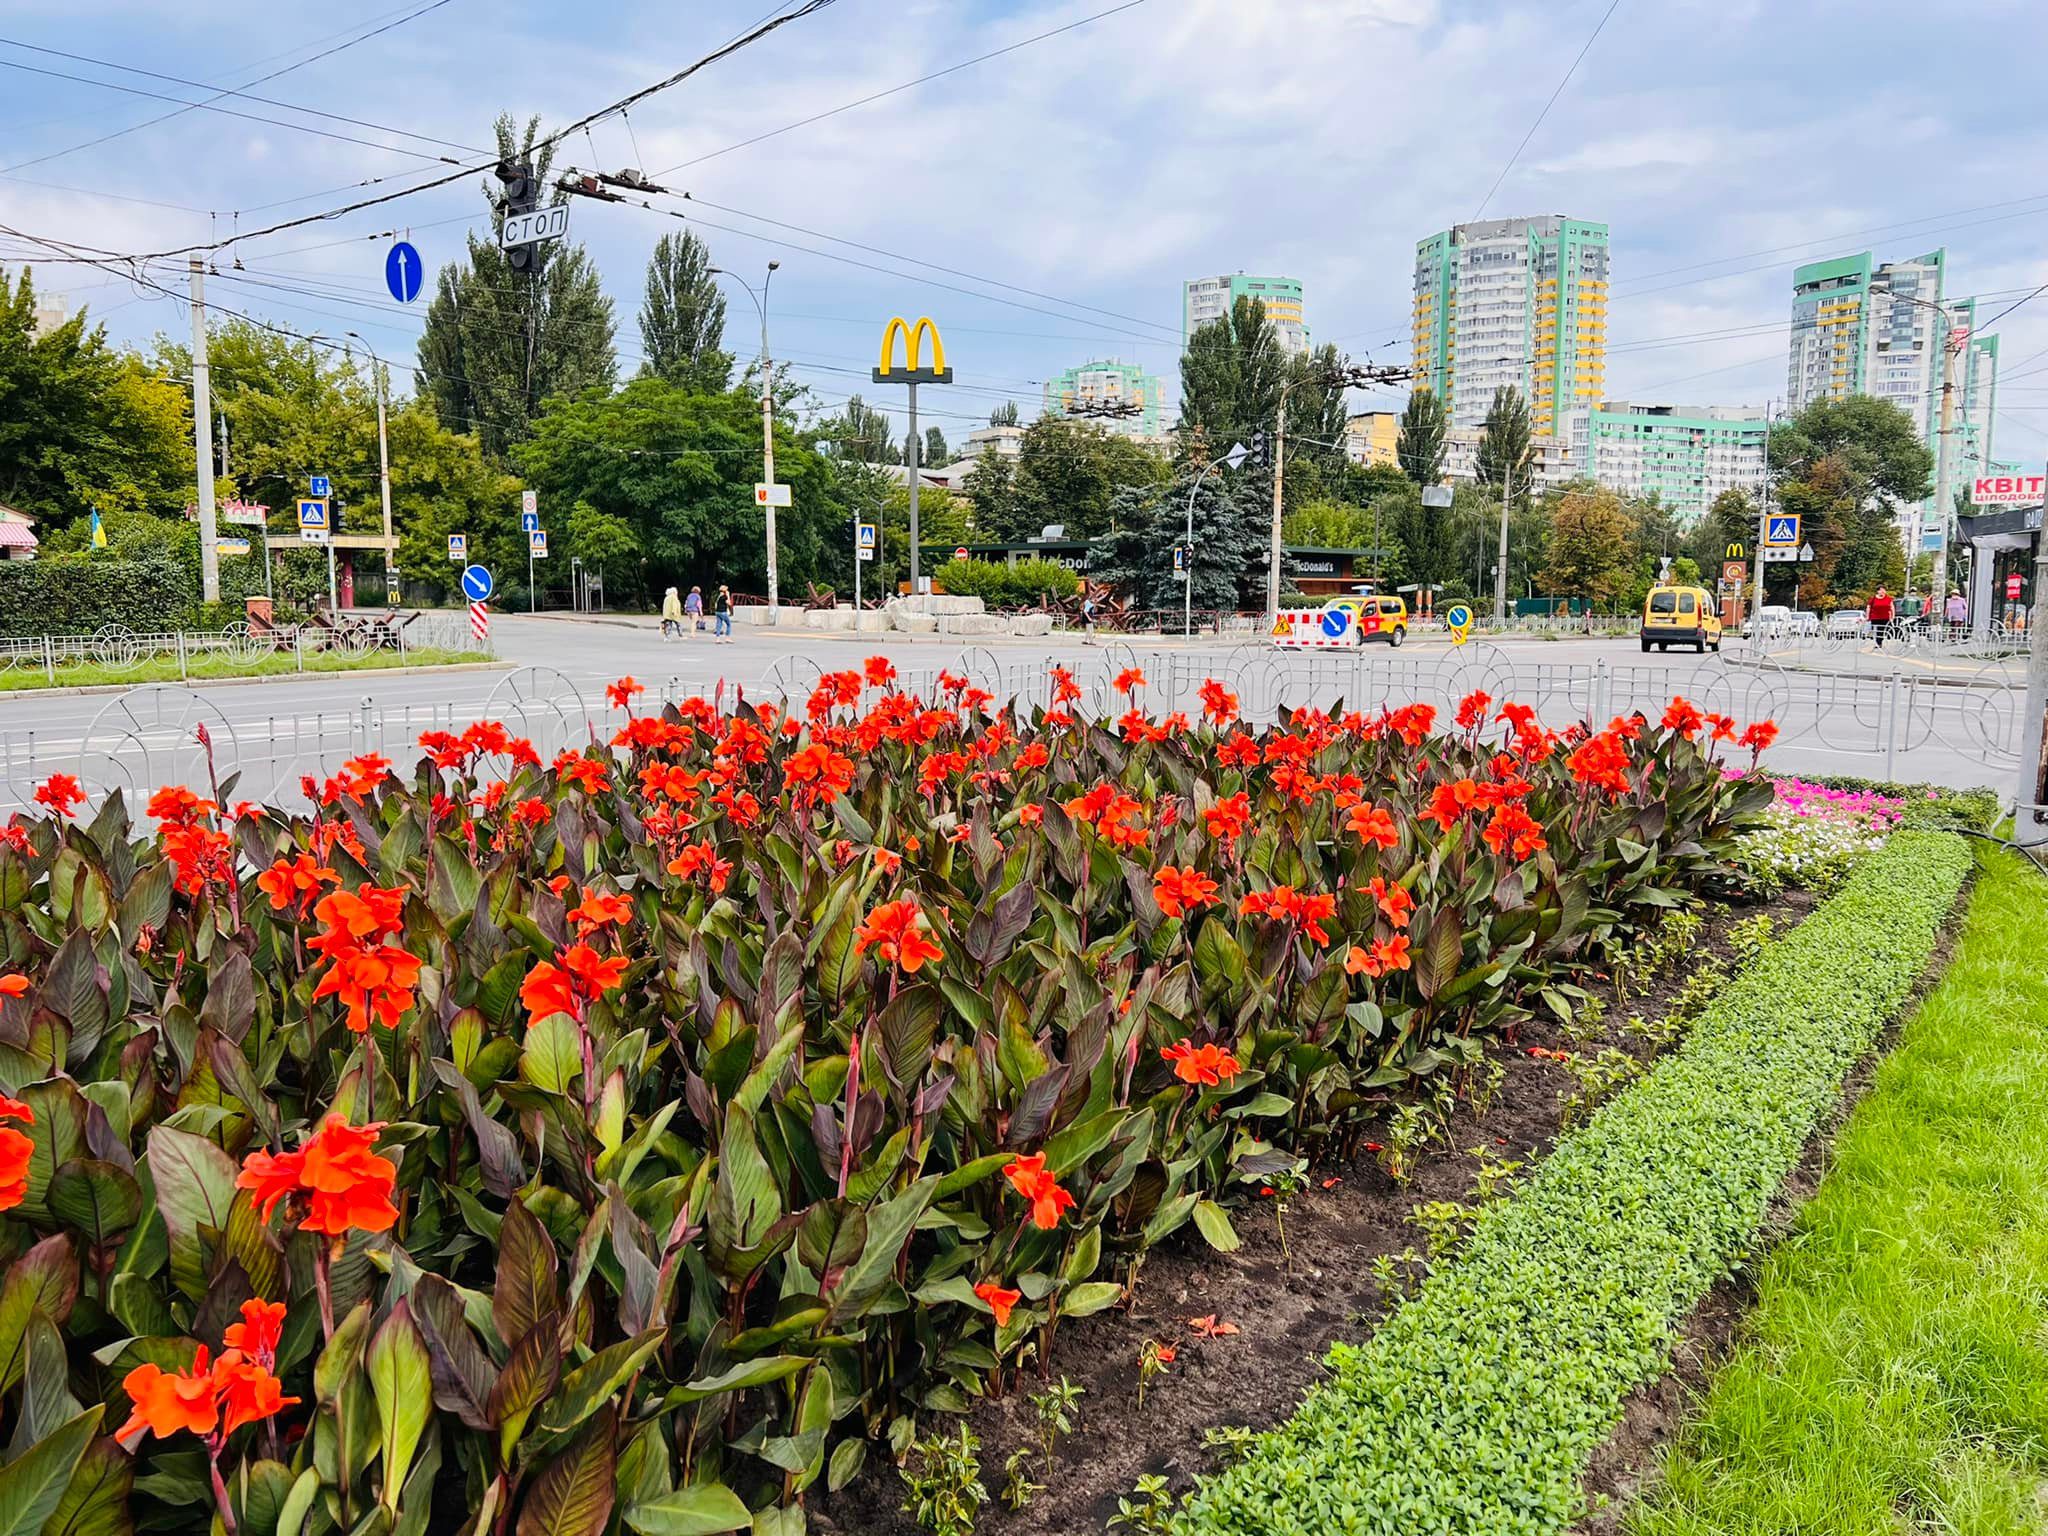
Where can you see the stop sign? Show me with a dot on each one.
(960, 553)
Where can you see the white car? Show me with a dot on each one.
(1774, 621)
(1847, 624)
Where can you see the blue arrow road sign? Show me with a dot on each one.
(320, 486)
(1458, 616)
(476, 583)
(1335, 621)
(529, 522)
(403, 272)
(1784, 528)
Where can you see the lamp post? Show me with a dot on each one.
(760, 302)
(1951, 346)
(1233, 459)
(383, 477)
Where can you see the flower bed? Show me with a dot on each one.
(659, 1128)
(1812, 834)
(1477, 1405)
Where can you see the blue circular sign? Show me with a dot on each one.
(476, 583)
(403, 272)
(1336, 621)
(1458, 616)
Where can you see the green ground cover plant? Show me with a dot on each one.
(165, 669)
(1476, 1406)
(1893, 1375)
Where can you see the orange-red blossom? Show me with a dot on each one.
(1000, 1300)
(342, 1184)
(1030, 1178)
(1285, 904)
(15, 1148)
(896, 931)
(1385, 956)
(1179, 891)
(213, 1396)
(1203, 1066)
(580, 978)
(371, 976)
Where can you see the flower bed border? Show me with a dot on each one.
(1476, 1406)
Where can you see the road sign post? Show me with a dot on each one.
(458, 546)
(403, 272)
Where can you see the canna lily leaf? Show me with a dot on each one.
(706, 1509)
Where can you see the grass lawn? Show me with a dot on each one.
(1893, 1378)
(164, 669)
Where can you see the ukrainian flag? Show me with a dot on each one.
(99, 534)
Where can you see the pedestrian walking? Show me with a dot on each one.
(693, 609)
(1879, 613)
(671, 615)
(1957, 612)
(722, 610)
(1088, 620)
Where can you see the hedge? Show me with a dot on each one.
(1478, 1404)
(76, 594)
(1023, 585)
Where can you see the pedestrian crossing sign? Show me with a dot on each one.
(1783, 529)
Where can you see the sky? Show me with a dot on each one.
(1044, 205)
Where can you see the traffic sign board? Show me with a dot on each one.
(1733, 570)
(771, 495)
(1780, 554)
(537, 544)
(403, 272)
(476, 583)
(529, 522)
(531, 228)
(529, 501)
(2012, 587)
(1335, 621)
(313, 520)
(866, 552)
(864, 535)
(1180, 557)
(960, 553)
(319, 485)
(1783, 529)
(458, 546)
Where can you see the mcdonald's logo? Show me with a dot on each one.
(1734, 551)
(912, 371)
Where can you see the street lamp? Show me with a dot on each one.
(383, 478)
(1942, 497)
(1234, 458)
(760, 303)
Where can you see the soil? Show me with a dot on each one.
(1630, 1460)
(1289, 1308)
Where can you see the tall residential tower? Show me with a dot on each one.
(1521, 302)
(1108, 383)
(1211, 298)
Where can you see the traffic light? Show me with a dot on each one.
(1259, 449)
(519, 193)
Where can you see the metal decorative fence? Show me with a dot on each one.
(1900, 725)
(116, 650)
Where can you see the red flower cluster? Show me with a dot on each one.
(61, 793)
(214, 1398)
(582, 977)
(1284, 904)
(1203, 1066)
(897, 932)
(1030, 1178)
(335, 1183)
(1112, 813)
(1180, 891)
(1385, 955)
(370, 974)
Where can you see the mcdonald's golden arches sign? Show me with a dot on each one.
(913, 370)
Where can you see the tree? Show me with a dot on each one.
(1846, 467)
(991, 489)
(682, 317)
(1420, 444)
(935, 451)
(1505, 443)
(1068, 473)
(1004, 415)
(81, 424)
(441, 483)
(498, 342)
(1228, 570)
(678, 469)
(1590, 540)
(1427, 538)
(861, 432)
(1230, 378)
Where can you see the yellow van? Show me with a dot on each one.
(1681, 616)
(1383, 618)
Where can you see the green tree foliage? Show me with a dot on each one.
(1427, 537)
(1420, 445)
(81, 424)
(1330, 524)
(1591, 539)
(1001, 585)
(1730, 520)
(860, 432)
(1069, 473)
(935, 450)
(1846, 467)
(1505, 445)
(1233, 375)
(678, 469)
(682, 316)
(498, 343)
(441, 483)
(1004, 415)
(1231, 516)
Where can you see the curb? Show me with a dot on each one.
(86, 690)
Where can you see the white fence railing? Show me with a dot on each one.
(1896, 726)
(116, 649)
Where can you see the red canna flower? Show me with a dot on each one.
(1239, 751)
(1064, 689)
(371, 975)
(1722, 727)
(175, 803)
(335, 1179)
(15, 985)
(1759, 736)
(296, 881)
(248, 1392)
(897, 932)
(1029, 1177)
(1472, 710)
(1219, 704)
(165, 1403)
(1129, 680)
(1179, 891)
(1374, 824)
(879, 671)
(999, 1299)
(256, 1335)
(1449, 802)
(1682, 717)
(15, 1148)
(61, 793)
(620, 695)
(580, 979)
(599, 909)
(1515, 830)
(1394, 902)
(1202, 1066)
(1286, 905)
(1228, 820)
(823, 773)
(587, 773)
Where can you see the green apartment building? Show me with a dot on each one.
(1210, 298)
(1108, 383)
(1520, 302)
(1685, 455)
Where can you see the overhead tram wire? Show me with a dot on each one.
(950, 69)
(207, 247)
(184, 107)
(1563, 81)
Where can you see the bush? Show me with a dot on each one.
(713, 1095)
(76, 594)
(1023, 585)
(1477, 1406)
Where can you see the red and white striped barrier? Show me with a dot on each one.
(480, 622)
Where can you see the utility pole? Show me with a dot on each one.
(768, 442)
(913, 446)
(2030, 819)
(1944, 499)
(202, 437)
(1279, 468)
(1763, 528)
(1500, 564)
(384, 484)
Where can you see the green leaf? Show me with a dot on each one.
(889, 1228)
(291, 1518)
(527, 1289)
(403, 1382)
(552, 1059)
(762, 1078)
(33, 1484)
(1215, 1227)
(749, 1373)
(594, 1382)
(1087, 1300)
(529, 1375)
(705, 1510)
(95, 1501)
(968, 1174)
(195, 1186)
(574, 1492)
(43, 1281)
(907, 1027)
(463, 1376)
(847, 1460)
(745, 1201)
(344, 1352)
